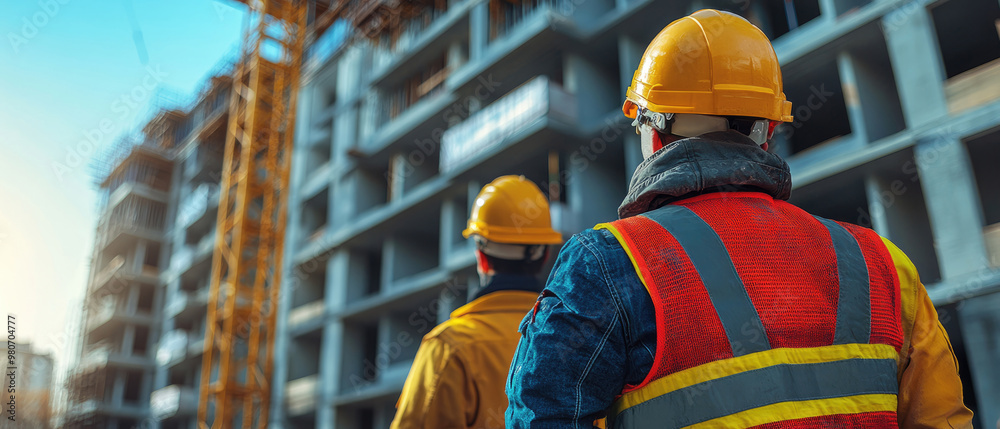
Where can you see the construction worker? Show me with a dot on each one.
(457, 378)
(712, 302)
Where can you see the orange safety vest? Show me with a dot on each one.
(766, 317)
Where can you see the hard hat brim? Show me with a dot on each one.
(511, 235)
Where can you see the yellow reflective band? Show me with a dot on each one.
(784, 411)
(628, 251)
(722, 368)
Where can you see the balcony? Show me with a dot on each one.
(186, 304)
(179, 346)
(107, 354)
(505, 122)
(173, 401)
(173, 348)
(117, 271)
(108, 315)
(93, 407)
(301, 394)
(188, 257)
(145, 171)
(114, 234)
(307, 316)
(197, 205)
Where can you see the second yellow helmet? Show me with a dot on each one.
(511, 209)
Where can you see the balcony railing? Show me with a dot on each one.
(197, 204)
(109, 271)
(300, 394)
(506, 15)
(184, 300)
(102, 314)
(173, 347)
(187, 256)
(504, 118)
(97, 356)
(173, 401)
(119, 268)
(305, 313)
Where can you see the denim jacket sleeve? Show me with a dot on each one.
(579, 347)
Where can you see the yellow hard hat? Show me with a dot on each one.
(709, 63)
(511, 209)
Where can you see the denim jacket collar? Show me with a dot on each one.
(713, 162)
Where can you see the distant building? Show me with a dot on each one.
(35, 389)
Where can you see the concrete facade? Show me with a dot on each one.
(140, 362)
(394, 143)
(110, 385)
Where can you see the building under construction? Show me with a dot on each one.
(896, 105)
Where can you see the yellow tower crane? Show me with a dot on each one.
(250, 228)
(246, 265)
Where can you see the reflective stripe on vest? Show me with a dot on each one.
(758, 384)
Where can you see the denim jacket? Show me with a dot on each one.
(593, 330)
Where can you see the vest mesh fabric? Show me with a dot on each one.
(787, 262)
(699, 334)
(885, 295)
(880, 419)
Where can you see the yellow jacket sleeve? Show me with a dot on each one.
(438, 392)
(930, 391)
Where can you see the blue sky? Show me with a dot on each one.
(69, 68)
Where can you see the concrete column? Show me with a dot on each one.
(594, 88)
(146, 386)
(448, 233)
(128, 340)
(330, 365)
(849, 85)
(118, 389)
(981, 329)
(629, 54)
(479, 30)
(303, 133)
(952, 205)
(140, 255)
(337, 282)
(916, 62)
(282, 339)
(876, 211)
(827, 10)
(132, 299)
(457, 55)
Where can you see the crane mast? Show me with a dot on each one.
(246, 264)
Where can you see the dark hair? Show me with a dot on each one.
(508, 266)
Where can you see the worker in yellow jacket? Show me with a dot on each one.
(457, 378)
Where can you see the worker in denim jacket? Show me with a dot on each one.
(712, 302)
